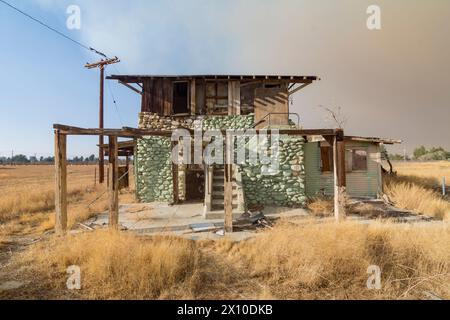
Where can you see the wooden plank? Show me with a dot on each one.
(159, 95)
(228, 187)
(133, 132)
(339, 177)
(299, 88)
(113, 188)
(337, 213)
(168, 96)
(60, 182)
(193, 98)
(234, 98)
(145, 101)
(131, 87)
(341, 163)
(268, 100)
(237, 97)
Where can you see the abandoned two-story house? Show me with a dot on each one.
(224, 102)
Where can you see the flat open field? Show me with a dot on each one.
(18, 176)
(426, 170)
(290, 261)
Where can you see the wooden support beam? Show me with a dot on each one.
(175, 175)
(60, 182)
(131, 87)
(102, 63)
(228, 187)
(113, 187)
(299, 88)
(133, 132)
(339, 177)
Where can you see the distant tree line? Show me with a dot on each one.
(23, 159)
(423, 154)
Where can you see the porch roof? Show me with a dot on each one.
(210, 77)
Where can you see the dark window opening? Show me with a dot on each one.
(358, 159)
(180, 98)
(326, 155)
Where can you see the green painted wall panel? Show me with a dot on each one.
(359, 184)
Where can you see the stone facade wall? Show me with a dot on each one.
(228, 122)
(153, 121)
(154, 170)
(283, 188)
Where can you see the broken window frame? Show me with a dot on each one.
(352, 164)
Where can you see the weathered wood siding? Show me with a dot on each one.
(359, 184)
(157, 96)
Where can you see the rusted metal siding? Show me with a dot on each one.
(359, 184)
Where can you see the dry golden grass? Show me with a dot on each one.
(430, 173)
(308, 261)
(417, 198)
(330, 261)
(321, 206)
(118, 265)
(27, 197)
(30, 189)
(417, 188)
(311, 261)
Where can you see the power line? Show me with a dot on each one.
(115, 103)
(53, 29)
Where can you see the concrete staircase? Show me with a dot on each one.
(216, 208)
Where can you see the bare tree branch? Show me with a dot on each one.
(336, 116)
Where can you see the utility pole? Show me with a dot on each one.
(101, 156)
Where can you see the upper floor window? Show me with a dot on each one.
(181, 103)
(216, 97)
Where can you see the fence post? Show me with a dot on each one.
(444, 193)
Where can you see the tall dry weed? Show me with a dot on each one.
(118, 265)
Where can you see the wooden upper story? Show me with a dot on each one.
(215, 94)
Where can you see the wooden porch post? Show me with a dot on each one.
(339, 176)
(228, 193)
(113, 186)
(60, 182)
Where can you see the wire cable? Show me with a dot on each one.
(53, 29)
(115, 102)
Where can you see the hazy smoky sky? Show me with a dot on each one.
(394, 82)
(391, 83)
